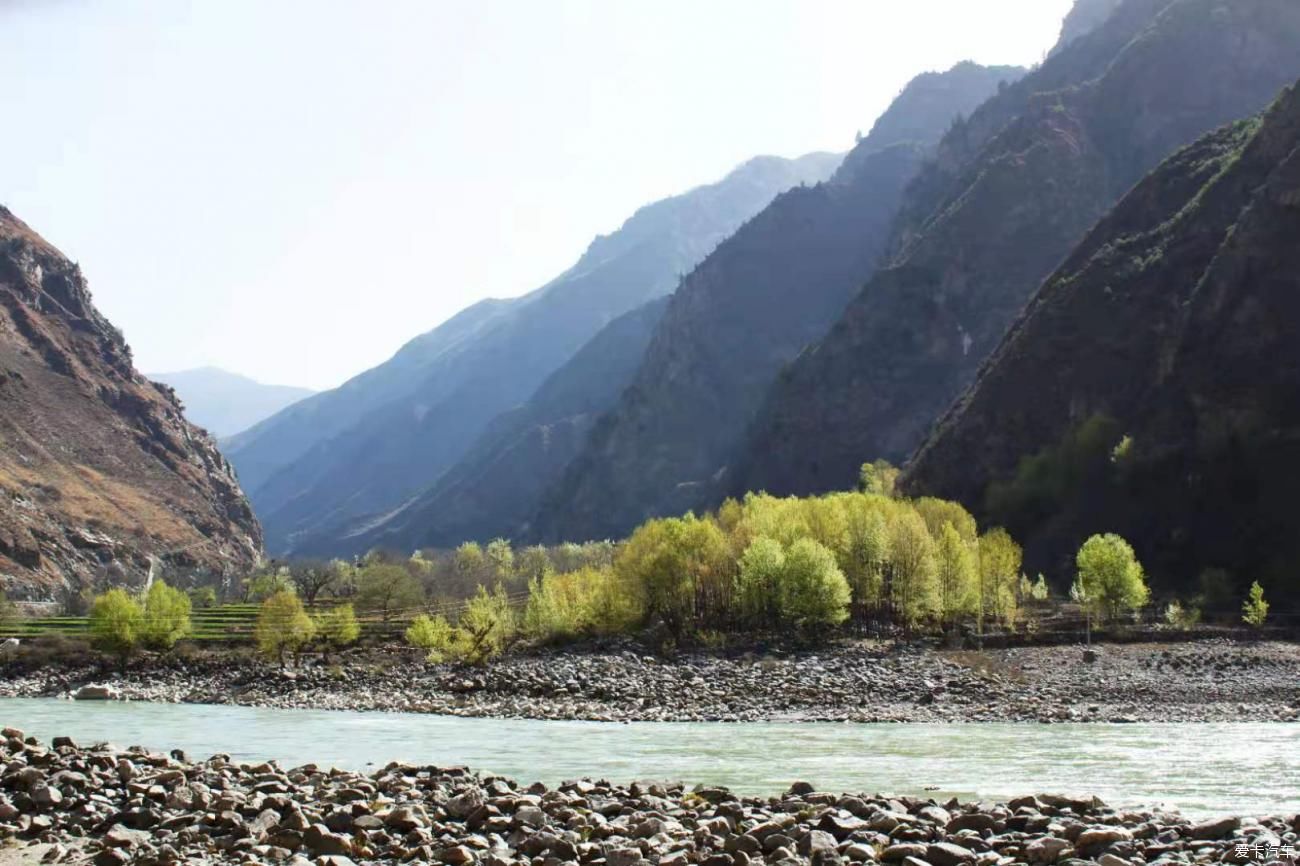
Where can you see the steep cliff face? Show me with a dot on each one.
(914, 337)
(493, 492)
(362, 450)
(98, 469)
(1152, 387)
(743, 313)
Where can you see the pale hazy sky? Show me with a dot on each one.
(290, 189)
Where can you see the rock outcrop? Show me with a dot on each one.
(1001, 208)
(99, 471)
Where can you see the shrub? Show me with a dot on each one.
(202, 597)
(282, 626)
(486, 627)
(116, 621)
(338, 627)
(1111, 574)
(1182, 618)
(166, 616)
(431, 634)
(1254, 612)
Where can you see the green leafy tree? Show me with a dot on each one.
(866, 552)
(166, 616)
(813, 590)
(879, 477)
(432, 634)
(681, 569)
(1254, 612)
(1111, 574)
(115, 623)
(758, 582)
(267, 583)
(912, 571)
(283, 626)
(338, 627)
(312, 578)
(999, 565)
(956, 575)
(387, 590)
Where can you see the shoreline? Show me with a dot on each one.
(63, 802)
(1211, 681)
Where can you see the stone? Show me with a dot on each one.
(902, 850)
(457, 855)
(1217, 829)
(1094, 839)
(97, 693)
(948, 854)
(977, 821)
(319, 840)
(1046, 849)
(815, 841)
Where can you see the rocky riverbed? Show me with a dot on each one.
(66, 803)
(1200, 681)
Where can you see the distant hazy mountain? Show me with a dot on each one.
(225, 403)
(1152, 386)
(748, 309)
(364, 448)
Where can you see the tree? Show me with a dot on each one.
(1111, 574)
(282, 626)
(166, 617)
(388, 590)
(267, 583)
(681, 568)
(1079, 595)
(762, 567)
(956, 574)
(813, 590)
(432, 634)
(865, 553)
(338, 627)
(534, 563)
(999, 564)
(912, 582)
(115, 623)
(879, 477)
(1254, 612)
(501, 558)
(485, 627)
(8, 612)
(311, 578)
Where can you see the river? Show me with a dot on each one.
(1204, 769)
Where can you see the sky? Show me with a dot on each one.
(291, 189)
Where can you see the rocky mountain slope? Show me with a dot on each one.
(225, 403)
(991, 220)
(1152, 386)
(98, 469)
(748, 309)
(494, 490)
(366, 447)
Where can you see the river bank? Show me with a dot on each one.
(1200, 681)
(118, 806)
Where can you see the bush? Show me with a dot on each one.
(116, 621)
(1182, 618)
(166, 616)
(202, 597)
(338, 627)
(1254, 612)
(431, 634)
(282, 626)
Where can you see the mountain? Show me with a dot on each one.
(746, 310)
(99, 470)
(225, 403)
(1001, 215)
(494, 490)
(363, 449)
(1152, 386)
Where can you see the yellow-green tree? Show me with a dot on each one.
(681, 568)
(813, 591)
(758, 582)
(1111, 575)
(283, 626)
(879, 477)
(115, 623)
(1254, 612)
(586, 601)
(433, 634)
(166, 616)
(955, 574)
(501, 559)
(486, 626)
(912, 580)
(337, 627)
(999, 565)
(387, 590)
(866, 550)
